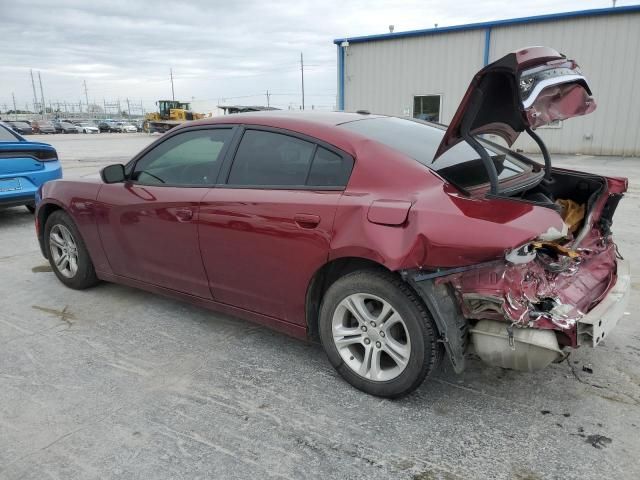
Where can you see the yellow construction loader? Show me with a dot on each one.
(170, 113)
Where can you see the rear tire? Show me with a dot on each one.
(67, 253)
(389, 345)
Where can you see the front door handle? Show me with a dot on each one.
(184, 214)
(306, 220)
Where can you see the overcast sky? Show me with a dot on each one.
(220, 50)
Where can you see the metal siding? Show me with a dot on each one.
(383, 76)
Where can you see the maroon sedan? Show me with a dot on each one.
(394, 241)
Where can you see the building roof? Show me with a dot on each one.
(245, 108)
(494, 23)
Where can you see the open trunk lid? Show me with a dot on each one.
(523, 90)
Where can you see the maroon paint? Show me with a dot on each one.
(261, 247)
(150, 234)
(253, 252)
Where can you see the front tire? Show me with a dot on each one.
(68, 255)
(378, 334)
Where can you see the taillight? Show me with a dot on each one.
(40, 155)
(46, 155)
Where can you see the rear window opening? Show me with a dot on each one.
(419, 140)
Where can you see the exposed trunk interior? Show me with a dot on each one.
(583, 189)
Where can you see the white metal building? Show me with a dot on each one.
(424, 73)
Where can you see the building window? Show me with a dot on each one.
(427, 107)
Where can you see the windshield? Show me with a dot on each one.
(460, 165)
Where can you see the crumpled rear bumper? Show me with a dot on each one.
(596, 325)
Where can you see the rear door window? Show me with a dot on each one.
(271, 159)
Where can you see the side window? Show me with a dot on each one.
(266, 158)
(329, 169)
(189, 158)
(6, 135)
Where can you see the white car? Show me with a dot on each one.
(87, 128)
(126, 128)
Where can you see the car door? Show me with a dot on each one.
(266, 231)
(149, 224)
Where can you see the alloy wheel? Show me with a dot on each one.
(64, 250)
(371, 337)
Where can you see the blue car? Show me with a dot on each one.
(24, 167)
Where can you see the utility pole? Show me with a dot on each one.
(86, 95)
(173, 95)
(268, 95)
(35, 96)
(302, 73)
(15, 110)
(44, 108)
(128, 108)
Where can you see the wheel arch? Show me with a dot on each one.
(42, 214)
(324, 277)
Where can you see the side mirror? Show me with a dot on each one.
(113, 173)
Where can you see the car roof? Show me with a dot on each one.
(315, 124)
(313, 117)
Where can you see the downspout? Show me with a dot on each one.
(340, 77)
(487, 45)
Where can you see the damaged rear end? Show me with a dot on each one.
(561, 289)
(567, 285)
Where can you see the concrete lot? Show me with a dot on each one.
(117, 383)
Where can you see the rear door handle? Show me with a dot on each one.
(306, 220)
(184, 214)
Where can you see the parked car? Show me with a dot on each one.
(107, 126)
(393, 241)
(24, 167)
(86, 127)
(65, 127)
(23, 128)
(123, 127)
(43, 127)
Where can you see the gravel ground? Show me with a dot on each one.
(113, 382)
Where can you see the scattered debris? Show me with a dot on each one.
(65, 315)
(598, 441)
(587, 368)
(545, 412)
(567, 415)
